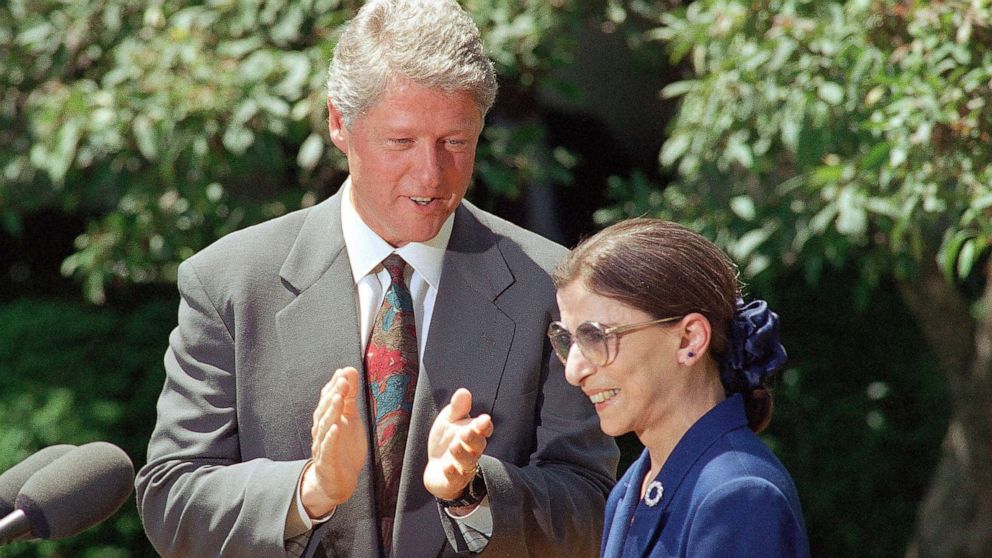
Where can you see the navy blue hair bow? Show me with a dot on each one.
(754, 351)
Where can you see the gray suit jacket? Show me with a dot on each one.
(268, 313)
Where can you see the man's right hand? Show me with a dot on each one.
(340, 445)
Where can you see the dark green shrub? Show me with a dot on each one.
(73, 373)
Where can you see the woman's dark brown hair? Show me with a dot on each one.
(665, 269)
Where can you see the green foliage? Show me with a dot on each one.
(812, 133)
(859, 414)
(166, 121)
(511, 157)
(173, 123)
(75, 374)
(526, 39)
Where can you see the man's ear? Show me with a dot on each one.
(336, 128)
(696, 334)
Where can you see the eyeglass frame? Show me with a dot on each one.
(608, 333)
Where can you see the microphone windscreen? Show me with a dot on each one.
(14, 478)
(76, 491)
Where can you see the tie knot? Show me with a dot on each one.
(395, 265)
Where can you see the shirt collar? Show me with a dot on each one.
(366, 249)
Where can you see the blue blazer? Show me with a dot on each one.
(723, 494)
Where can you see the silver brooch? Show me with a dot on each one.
(653, 495)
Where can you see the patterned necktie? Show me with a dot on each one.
(391, 366)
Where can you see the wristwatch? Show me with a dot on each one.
(472, 495)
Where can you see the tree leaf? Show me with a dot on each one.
(748, 243)
(144, 137)
(852, 220)
(876, 156)
(743, 207)
(674, 148)
(831, 93)
(678, 88)
(310, 152)
(949, 250)
(966, 258)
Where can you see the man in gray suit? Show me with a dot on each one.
(262, 449)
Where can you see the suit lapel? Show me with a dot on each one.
(470, 336)
(319, 329)
(319, 332)
(467, 346)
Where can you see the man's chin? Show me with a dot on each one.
(417, 234)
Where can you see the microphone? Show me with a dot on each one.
(14, 478)
(73, 493)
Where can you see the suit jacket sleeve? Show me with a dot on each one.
(195, 495)
(746, 517)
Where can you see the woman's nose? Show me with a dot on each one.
(577, 368)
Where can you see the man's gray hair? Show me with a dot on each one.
(433, 43)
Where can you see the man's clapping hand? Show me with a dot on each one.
(340, 445)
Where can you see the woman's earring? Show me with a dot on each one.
(691, 354)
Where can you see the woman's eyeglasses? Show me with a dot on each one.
(598, 343)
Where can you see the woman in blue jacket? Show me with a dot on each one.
(654, 331)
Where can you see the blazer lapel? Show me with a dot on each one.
(319, 332)
(616, 532)
(650, 521)
(467, 346)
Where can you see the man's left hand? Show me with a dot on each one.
(454, 447)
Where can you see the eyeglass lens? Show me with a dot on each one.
(591, 339)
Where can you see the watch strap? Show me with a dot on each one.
(472, 495)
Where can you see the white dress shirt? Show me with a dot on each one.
(366, 250)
